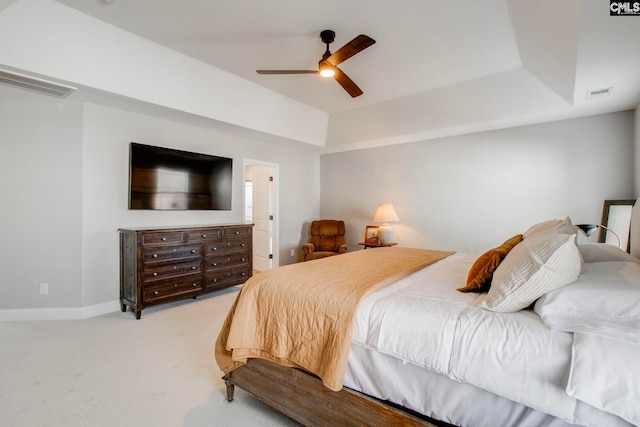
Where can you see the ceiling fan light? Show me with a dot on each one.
(327, 72)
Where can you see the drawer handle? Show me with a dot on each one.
(204, 235)
(194, 285)
(155, 255)
(193, 251)
(215, 249)
(175, 285)
(243, 245)
(228, 274)
(215, 280)
(163, 239)
(214, 264)
(229, 259)
(156, 293)
(243, 259)
(244, 274)
(193, 268)
(237, 232)
(155, 274)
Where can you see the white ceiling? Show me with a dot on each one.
(438, 67)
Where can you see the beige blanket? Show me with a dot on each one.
(302, 314)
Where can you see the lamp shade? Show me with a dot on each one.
(385, 213)
(587, 229)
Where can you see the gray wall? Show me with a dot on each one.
(41, 203)
(470, 193)
(107, 134)
(64, 169)
(637, 151)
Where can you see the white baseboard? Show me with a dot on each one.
(68, 313)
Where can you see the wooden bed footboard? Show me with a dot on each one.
(302, 397)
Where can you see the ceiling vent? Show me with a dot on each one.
(599, 93)
(35, 84)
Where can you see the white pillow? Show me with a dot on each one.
(556, 225)
(604, 301)
(603, 252)
(539, 264)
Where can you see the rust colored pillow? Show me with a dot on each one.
(481, 272)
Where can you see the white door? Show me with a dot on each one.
(263, 201)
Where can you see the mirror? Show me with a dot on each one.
(616, 217)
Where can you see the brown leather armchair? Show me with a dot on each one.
(327, 239)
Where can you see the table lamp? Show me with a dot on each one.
(589, 229)
(385, 214)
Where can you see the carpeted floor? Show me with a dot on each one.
(113, 370)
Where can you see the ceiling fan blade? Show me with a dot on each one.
(287, 71)
(347, 83)
(356, 45)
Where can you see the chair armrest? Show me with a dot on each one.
(307, 248)
(342, 249)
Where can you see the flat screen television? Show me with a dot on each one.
(168, 179)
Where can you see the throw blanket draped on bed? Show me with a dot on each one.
(302, 314)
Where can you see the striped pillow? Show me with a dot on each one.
(541, 263)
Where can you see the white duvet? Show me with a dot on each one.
(424, 321)
(604, 374)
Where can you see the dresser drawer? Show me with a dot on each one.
(152, 272)
(227, 247)
(151, 293)
(236, 233)
(168, 253)
(227, 277)
(164, 237)
(229, 260)
(205, 234)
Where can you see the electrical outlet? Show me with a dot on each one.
(44, 289)
(293, 252)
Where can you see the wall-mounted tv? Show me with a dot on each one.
(168, 179)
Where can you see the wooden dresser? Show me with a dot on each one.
(159, 265)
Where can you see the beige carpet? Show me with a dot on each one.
(113, 370)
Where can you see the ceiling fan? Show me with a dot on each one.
(328, 65)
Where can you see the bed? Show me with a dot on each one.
(549, 337)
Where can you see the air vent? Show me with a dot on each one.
(35, 84)
(599, 93)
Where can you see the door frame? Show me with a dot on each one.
(275, 199)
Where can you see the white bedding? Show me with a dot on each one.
(459, 404)
(423, 321)
(603, 374)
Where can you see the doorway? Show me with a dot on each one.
(260, 208)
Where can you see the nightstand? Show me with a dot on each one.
(377, 245)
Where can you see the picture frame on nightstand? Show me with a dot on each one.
(371, 234)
